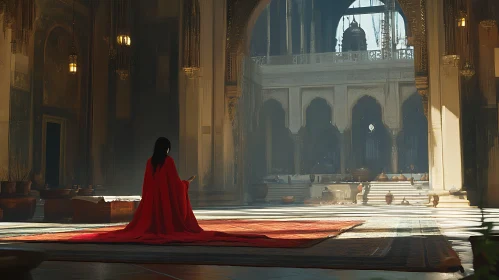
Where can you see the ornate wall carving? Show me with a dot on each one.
(60, 88)
(356, 93)
(191, 36)
(20, 16)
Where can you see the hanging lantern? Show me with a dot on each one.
(73, 55)
(73, 61)
(191, 36)
(468, 71)
(123, 40)
(122, 51)
(461, 19)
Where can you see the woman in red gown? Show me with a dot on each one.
(164, 214)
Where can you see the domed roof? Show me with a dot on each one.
(354, 38)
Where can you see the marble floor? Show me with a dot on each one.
(381, 221)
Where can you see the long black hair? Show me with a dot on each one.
(161, 149)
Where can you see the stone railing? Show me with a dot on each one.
(336, 57)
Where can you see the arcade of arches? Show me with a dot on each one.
(235, 116)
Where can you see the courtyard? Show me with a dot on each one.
(390, 237)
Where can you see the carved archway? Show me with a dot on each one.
(370, 146)
(240, 24)
(321, 149)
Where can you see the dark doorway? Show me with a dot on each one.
(275, 145)
(321, 149)
(413, 142)
(52, 154)
(371, 148)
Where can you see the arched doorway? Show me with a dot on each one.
(274, 147)
(370, 139)
(413, 141)
(321, 140)
(242, 24)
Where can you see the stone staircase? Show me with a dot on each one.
(399, 190)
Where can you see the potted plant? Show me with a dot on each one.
(485, 248)
(7, 185)
(288, 199)
(21, 175)
(3, 178)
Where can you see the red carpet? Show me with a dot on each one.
(283, 234)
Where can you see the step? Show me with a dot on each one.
(398, 192)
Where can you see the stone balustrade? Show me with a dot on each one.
(334, 57)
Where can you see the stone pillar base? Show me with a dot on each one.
(450, 201)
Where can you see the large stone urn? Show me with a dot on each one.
(480, 260)
(259, 192)
(382, 177)
(362, 174)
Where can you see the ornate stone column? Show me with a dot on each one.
(312, 29)
(343, 152)
(219, 66)
(302, 27)
(289, 27)
(430, 88)
(268, 144)
(5, 58)
(189, 129)
(268, 33)
(15, 105)
(451, 122)
(395, 151)
(295, 116)
(298, 143)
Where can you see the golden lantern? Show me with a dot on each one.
(123, 40)
(461, 19)
(468, 71)
(73, 61)
(73, 56)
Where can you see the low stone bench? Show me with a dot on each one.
(104, 209)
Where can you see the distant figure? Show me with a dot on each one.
(165, 214)
(405, 202)
(436, 199)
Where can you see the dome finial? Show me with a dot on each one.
(354, 38)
